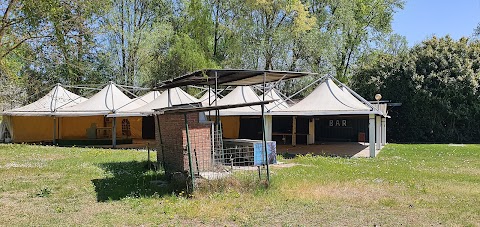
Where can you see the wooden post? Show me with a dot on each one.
(311, 131)
(371, 134)
(294, 130)
(114, 132)
(54, 130)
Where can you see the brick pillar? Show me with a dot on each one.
(174, 139)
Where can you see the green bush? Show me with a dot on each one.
(437, 83)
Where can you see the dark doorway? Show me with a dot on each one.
(148, 127)
(282, 129)
(250, 128)
(302, 129)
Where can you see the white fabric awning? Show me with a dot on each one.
(57, 98)
(278, 104)
(209, 96)
(177, 97)
(239, 95)
(143, 100)
(245, 94)
(328, 99)
(108, 100)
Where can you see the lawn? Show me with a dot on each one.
(405, 185)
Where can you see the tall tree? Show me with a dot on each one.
(130, 23)
(266, 29)
(52, 40)
(351, 25)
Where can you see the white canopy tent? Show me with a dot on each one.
(33, 121)
(90, 115)
(57, 98)
(142, 100)
(174, 96)
(245, 94)
(241, 94)
(278, 104)
(108, 100)
(147, 98)
(207, 97)
(328, 99)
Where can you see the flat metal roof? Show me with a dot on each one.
(230, 77)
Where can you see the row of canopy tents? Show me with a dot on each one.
(62, 114)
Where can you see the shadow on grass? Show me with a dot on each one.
(130, 180)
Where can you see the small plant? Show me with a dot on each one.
(45, 192)
(59, 210)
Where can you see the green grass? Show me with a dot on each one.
(405, 185)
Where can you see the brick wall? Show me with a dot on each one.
(173, 152)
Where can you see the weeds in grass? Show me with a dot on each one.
(45, 192)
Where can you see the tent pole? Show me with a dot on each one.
(371, 134)
(114, 132)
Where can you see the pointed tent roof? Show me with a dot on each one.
(146, 98)
(328, 99)
(204, 99)
(245, 94)
(241, 94)
(108, 100)
(177, 97)
(58, 97)
(279, 104)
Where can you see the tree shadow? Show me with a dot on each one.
(130, 180)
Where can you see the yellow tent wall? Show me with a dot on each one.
(76, 127)
(31, 129)
(26, 129)
(230, 126)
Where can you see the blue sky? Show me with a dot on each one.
(421, 19)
